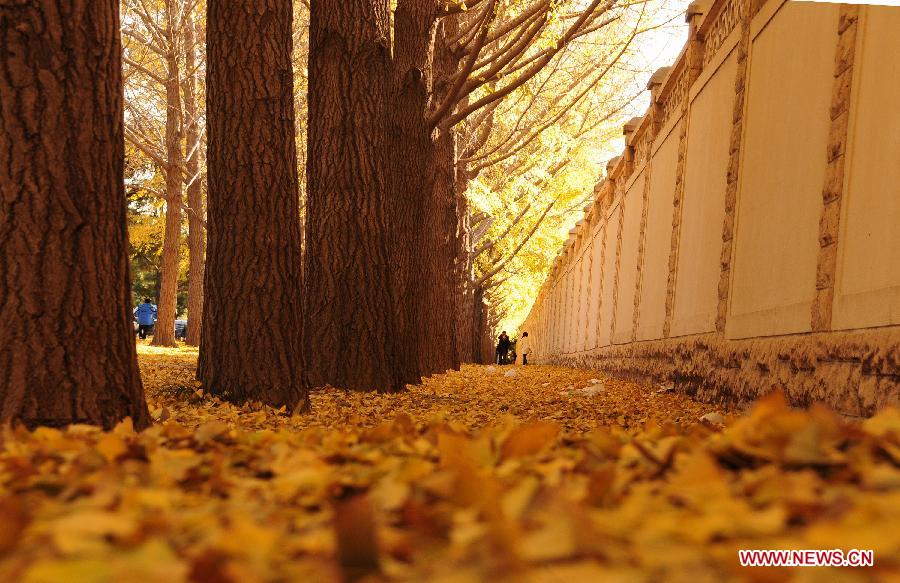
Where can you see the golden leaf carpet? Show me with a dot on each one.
(487, 474)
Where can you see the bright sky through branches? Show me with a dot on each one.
(654, 48)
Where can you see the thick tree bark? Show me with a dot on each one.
(164, 331)
(483, 339)
(251, 346)
(443, 271)
(464, 325)
(196, 229)
(66, 343)
(380, 178)
(440, 267)
(467, 345)
(410, 183)
(350, 332)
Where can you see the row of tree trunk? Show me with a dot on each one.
(385, 278)
(387, 275)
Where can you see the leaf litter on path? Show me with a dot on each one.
(470, 476)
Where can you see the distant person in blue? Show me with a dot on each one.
(146, 317)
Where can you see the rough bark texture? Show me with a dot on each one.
(381, 232)
(443, 269)
(482, 334)
(465, 303)
(349, 316)
(439, 289)
(66, 344)
(410, 183)
(196, 229)
(164, 332)
(251, 344)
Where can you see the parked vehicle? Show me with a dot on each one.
(181, 329)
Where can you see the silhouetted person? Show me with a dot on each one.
(503, 345)
(146, 317)
(523, 347)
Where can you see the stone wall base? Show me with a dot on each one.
(855, 373)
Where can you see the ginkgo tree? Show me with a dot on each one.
(506, 88)
(390, 94)
(534, 171)
(163, 61)
(250, 349)
(146, 229)
(67, 352)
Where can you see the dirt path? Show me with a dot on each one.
(577, 400)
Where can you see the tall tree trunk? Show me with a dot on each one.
(440, 268)
(463, 325)
(410, 183)
(350, 325)
(66, 343)
(251, 345)
(468, 347)
(164, 331)
(442, 292)
(196, 229)
(483, 341)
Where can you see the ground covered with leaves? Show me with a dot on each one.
(491, 473)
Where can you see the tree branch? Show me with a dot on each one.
(499, 267)
(490, 244)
